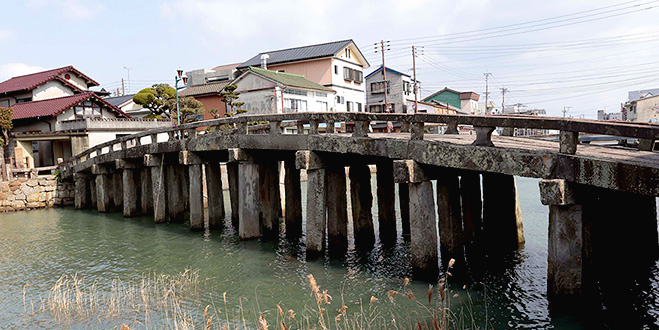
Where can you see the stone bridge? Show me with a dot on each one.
(601, 199)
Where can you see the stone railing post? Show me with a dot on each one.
(568, 142)
(313, 127)
(275, 127)
(452, 128)
(646, 144)
(416, 129)
(361, 129)
(483, 136)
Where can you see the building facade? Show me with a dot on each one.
(644, 110)
(399, 87)
(338, 66)
(466, 101)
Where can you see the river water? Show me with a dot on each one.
(38, 247)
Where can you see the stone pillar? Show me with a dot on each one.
(316, 201)
(386, 205)
(564, 258)
(248, 194)
(361, 198)
(82, 193)
(158, 171)
(472, 208)
(215, 195)
(146, 191)
(270, 198)
(450, 217)
(103, 188)
(232, 173)
(293, 209)
(92, 193)
(175, 193)
(502, 218)
(423, 220)
(404, 203)
(130, 186)
(337, 213)
(192, 165)
(117, 191)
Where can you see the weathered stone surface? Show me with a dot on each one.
(215, 195)
(293, 201)
(196, 197)
(386, 202)
(337, 212)
(232, 174)
(451, 234)
(361, 198)
(270, 199)
(502, 218)
(34, 197)
(316, 211)
(564, 258)
(556, 192)
(249, 201)
(130, 193)
(423, 231)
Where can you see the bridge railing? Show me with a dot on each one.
(414, 123)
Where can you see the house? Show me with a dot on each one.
(57, 116)
(126, 104)
(399, 87)
(644, 110)
(266, 91)
(338, 66)
(603, 115)
(205, 86)
(466, 101)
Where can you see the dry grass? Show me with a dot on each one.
(157, 301)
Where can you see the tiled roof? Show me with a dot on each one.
(299, 53)
(226, 67)
(212, 88)
(388, 70)
(53, 107)
(30, 81)
(289, 79)
(119, 100)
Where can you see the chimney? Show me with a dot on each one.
(264, 61)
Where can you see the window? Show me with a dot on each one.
(359, 107)
(359, 76)
(378, 87)
(349, 106)
(336, 69)
(4, 103)
(27, 99)
(295, 105)
(340, 100)
(322, 105)
(348, 74)
(348, 52)
(295, 92)
(319, 94)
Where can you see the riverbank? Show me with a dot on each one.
(34, 193)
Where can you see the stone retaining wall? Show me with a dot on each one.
(26, 194)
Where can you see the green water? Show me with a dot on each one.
(38, 247)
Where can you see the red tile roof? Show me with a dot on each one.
(30, 81)
(53, 107)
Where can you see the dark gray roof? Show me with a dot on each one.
(119, 100)
(298, 53)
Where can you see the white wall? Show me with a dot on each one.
(75, 80)
(350, 90)
(49, 90)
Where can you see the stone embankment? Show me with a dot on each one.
(41, 192)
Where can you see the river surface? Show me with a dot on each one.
(38, 247)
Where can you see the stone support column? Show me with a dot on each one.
(130, 186)
(451, 234)
(502, 218)
(293, 209)
(423, 220)
(103, 188)
(157, 167)
(248, 194)
(232, 174)
(270, 198)
(175, 193)
(565, 248)
(82, 198)
(472, 208)
(117, 191)
(404, 203)
(386, 206)
(215, 195)
(361, 199)
(337, 213)
(195, 188)
(316, 201)
(146, 191)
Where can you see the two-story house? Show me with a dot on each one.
(337, 65)
(266, 91)
(57, 116)
(465, 101)
(399, 87)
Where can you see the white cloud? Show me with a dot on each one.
(75, 9)
(9, 70)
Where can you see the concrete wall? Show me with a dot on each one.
(32, 194)
(212, 102)
(318, 71)
(647, 110)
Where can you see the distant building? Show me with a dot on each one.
(645, 110)
(603, 115)
(267, 91)
(56, 116)
(338, 66)
(205, 86)
(399, 86)
(642, 93)
(125, 103)
(466, 101)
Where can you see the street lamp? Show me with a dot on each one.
(179, 77)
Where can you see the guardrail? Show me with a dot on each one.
(414, 123)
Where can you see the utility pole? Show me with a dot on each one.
(487, 90)
(416, 101)
(565, 110)
(123, 87)
(128, 69)
(384, 73)
(503, 99)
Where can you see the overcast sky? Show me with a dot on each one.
(548, 54)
